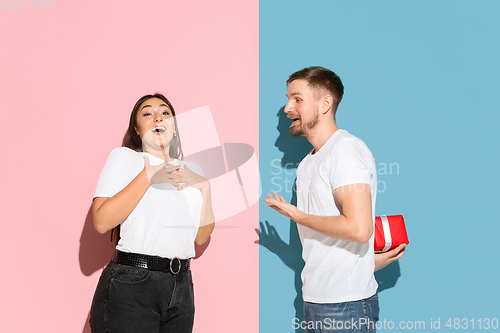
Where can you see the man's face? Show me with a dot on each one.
(302, 108)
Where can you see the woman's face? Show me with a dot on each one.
(155, 124)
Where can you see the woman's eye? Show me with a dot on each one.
(297, 100)
(166, 113)
(146, 114)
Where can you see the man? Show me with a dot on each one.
(336, 191)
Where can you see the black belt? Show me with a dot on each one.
(153, 263)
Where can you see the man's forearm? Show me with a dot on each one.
(336, 226)
(355, 222)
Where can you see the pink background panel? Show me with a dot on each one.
(69, 79)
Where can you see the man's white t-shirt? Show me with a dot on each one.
(335, 270)
(165, 222)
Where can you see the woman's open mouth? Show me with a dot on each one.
(159, 130)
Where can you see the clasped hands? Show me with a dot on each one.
(175, 175)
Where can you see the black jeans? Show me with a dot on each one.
(137, 300)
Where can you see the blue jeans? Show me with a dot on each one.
(133, 299)
(353, 317)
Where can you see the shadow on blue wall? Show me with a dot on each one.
(294, 149)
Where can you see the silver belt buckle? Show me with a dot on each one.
(180, 266)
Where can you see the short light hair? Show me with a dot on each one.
(321, 78)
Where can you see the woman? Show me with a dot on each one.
(163, 206)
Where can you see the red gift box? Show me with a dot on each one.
(390, 232)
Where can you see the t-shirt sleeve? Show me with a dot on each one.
(352, 163)
(114, 176)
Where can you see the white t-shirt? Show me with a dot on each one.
(165, 222)
(335, 270)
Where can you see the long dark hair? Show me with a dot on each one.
(133, 141)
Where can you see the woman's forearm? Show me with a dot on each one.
(207, 220)
(110, 212)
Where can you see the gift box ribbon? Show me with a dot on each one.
(387, 233)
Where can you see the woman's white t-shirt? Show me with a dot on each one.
(165, 222)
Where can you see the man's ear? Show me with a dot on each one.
(326, 103)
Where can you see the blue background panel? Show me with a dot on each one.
(421, 89)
